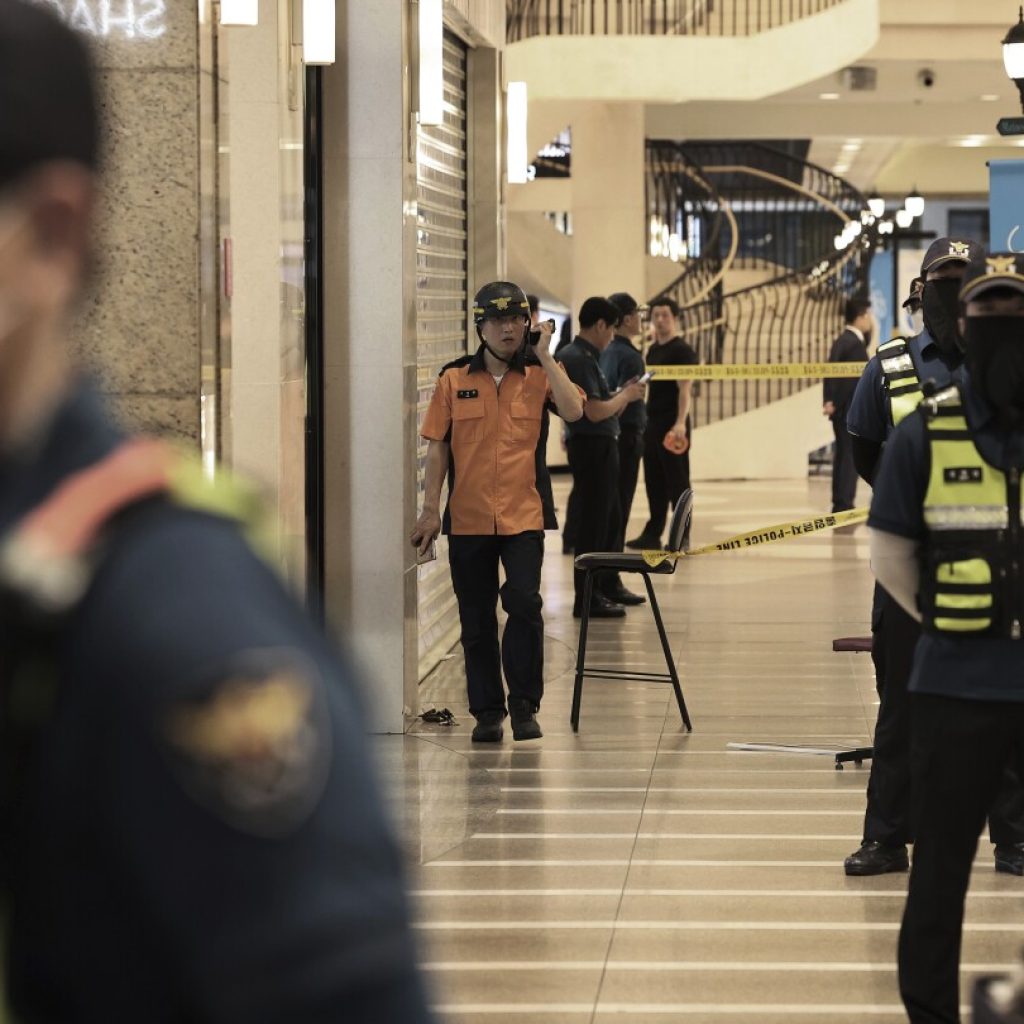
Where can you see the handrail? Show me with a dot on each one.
(529, 18)
(762, 194)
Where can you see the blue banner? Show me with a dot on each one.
(880, 285)
(1006, 205)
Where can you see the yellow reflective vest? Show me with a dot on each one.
(900, 376)
(971, 572)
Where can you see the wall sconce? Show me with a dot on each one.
(431, 36)
(318, 31)
(239, 12)
(516, 104)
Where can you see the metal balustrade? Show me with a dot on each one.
(528, 18)
(776, 213)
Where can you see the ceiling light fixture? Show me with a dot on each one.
(904, 218)
(828, 95)
(914, 203)
(876, 204)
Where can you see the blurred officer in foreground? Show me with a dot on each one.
(189, 827)
(946, 539)
(484, 428)
(889, 390)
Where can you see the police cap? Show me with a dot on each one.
(949, 250)
(500, 299)
(48, 107)
(996, 270)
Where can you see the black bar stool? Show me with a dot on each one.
(633, 562)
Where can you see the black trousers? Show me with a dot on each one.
(888, 818)
(960, 751)
(844, 472)
(666, 476)
(631, 453)
(474, 566)
(594, 462)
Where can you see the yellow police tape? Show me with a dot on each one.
(757, 371)
(765, 535)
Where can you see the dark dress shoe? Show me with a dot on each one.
(524, 722)
(1010, 859)
(644, 543)
(874, 858)
(488, 727)
(620, 595)
(600, 608)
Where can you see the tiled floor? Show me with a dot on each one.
(638, 873)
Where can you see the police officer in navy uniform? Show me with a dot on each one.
(189, 829)
(888, 391)
(946, 543)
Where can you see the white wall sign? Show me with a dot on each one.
(113, 19)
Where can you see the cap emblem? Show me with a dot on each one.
(960, 249)
(999, 265)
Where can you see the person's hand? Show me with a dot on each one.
(828, 409)
(676, 440)
(428, 526)
(547, 331)
(634, 390)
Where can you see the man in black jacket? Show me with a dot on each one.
(850, 347)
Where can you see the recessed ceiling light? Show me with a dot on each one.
(972, 141)
(828, 95)
(989, 97)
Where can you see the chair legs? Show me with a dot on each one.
(669, 660)
(581, 651)
(581, 656)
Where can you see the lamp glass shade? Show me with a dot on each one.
(1013, 59)
(914, 204)
(876, 204)
(885, 228)
(839, 242)
(904, 218)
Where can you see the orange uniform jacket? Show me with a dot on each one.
(494, 434)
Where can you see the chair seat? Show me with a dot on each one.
(852, 643)
(624, 561)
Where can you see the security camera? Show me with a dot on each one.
(926, 78)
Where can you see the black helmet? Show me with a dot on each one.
(499, 299)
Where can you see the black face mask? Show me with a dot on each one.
(995, 361)
(940, 304)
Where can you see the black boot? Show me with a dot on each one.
(488, 727)
(1010, 859)
(874, 858)
(524, 724)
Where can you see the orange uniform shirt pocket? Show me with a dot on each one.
(525, 422)
(468, 423)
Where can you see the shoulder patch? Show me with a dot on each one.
(255, 751)
(455, 364)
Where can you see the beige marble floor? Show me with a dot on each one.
(638, 873)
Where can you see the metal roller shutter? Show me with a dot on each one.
(441, 315)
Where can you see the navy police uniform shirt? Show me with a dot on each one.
(976, 668)
(622, 362)
(196, 836)
(868, 416)
(582, 363)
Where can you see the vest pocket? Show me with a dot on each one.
(468, 421)
(963, 596)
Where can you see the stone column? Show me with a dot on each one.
(140, 328)
(370, 359)
(608, 208)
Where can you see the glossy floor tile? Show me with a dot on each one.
(637, 873)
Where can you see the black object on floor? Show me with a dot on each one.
(626, 562)
(442, 717)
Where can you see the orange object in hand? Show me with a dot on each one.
(677, 446)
